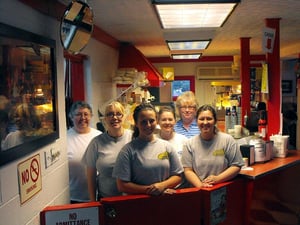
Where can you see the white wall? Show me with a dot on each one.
(99, 70)
(55, 189)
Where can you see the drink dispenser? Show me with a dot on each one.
(255, 114)
(263, 150)
(259, 149)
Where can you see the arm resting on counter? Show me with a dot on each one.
(192, 177)
(226, 175)
(153, 189)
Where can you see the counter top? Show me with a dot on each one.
(276, 164)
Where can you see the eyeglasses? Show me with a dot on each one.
(82, 115)
(190, 107)
(112, 115)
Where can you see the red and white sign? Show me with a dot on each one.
(268, 39)
(91, 213)
(30, 181)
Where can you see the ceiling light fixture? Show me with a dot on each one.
(186, 56)
(193, 13)
(188, 45)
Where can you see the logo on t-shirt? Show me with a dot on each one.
(163, 155)
(218, 152)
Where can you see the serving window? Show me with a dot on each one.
(28, 110)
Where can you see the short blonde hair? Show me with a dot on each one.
(186, 98)
(111, 106)
(115, 105)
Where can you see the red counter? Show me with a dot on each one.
(220, 205)
(273, 191)
(268, 194)
(181, 208)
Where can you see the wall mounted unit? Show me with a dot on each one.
(217, 73)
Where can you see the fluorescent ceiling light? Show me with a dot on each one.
(186, 56)
(193, 15)
(188, 45)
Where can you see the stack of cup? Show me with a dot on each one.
(237, 131)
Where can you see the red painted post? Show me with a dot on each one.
(274, 100)
(245, 76)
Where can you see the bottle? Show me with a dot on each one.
(262, 125)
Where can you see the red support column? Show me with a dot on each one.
(273, 60)
(245, 76)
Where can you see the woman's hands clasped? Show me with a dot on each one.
(158, 189)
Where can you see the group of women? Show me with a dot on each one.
(154, 161)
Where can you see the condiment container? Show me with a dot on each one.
(280, 143)
(248, 152)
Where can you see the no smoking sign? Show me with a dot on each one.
(30, 181)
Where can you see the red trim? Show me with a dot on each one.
(123, 85)
(105, 38)
(131, 57)
(256, 65)
(56, 9)
(202, 59)
(257, 58)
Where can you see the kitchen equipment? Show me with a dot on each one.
(248, 152)
(259, 149)
(269, 150)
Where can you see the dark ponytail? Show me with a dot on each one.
(136, 113)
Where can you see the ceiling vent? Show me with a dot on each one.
(217, 73)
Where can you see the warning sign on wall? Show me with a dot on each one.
(91, 213)
(30, 181)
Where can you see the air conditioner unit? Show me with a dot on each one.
(217, 73)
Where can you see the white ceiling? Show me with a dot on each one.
(135, 21)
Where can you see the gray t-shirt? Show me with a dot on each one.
(101, 154)
(145, 163)
(177, 142)
(211, 157)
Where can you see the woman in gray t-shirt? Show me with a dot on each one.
(211, 157)
(101, 153)
(147, 165)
